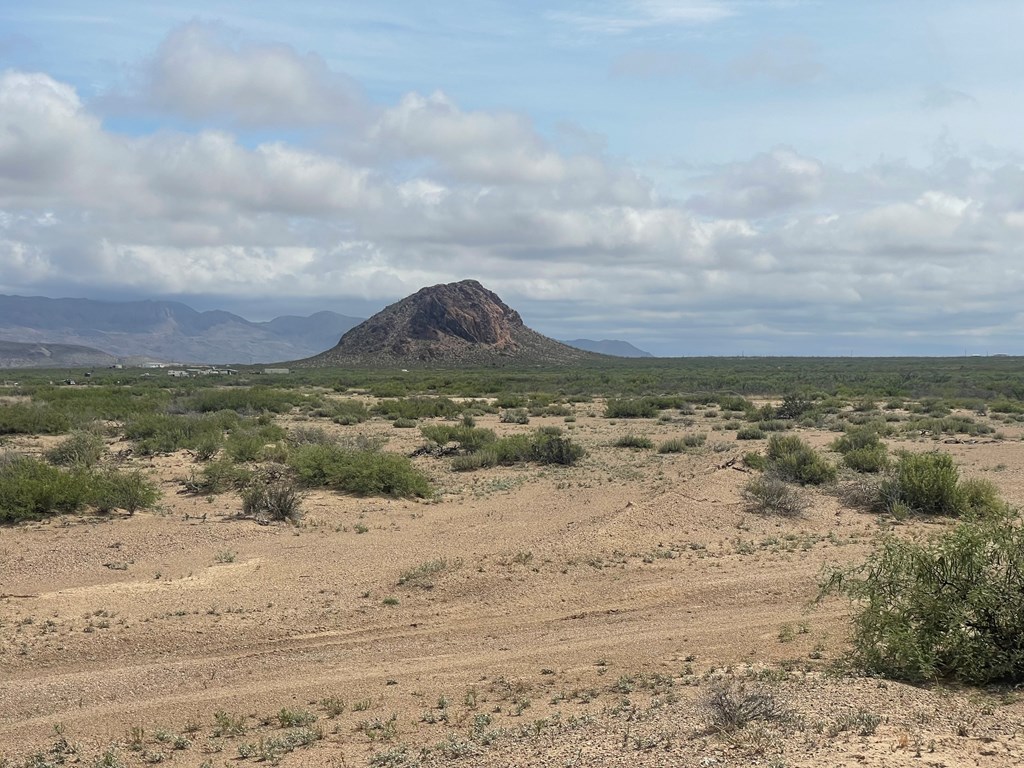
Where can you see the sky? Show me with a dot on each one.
(697, 177)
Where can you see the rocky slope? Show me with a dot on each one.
(17, 355)
(454, 324)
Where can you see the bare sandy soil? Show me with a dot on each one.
(560, 617)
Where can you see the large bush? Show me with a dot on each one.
(365, 473)
(31, 489)
(929, 484)
(790, 458)
(948, 607)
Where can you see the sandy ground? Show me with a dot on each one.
(578, 617)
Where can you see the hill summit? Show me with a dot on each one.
(455, 323)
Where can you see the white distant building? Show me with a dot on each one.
(279, 371)
(177, 374)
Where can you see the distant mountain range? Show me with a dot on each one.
(608, 347)
(42, 332)
(14, 354)
(167, 330)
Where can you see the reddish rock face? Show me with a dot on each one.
(466, 311)
(456, 322)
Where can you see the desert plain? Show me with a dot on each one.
(523, 615)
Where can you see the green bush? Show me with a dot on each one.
(855, 439)
(419, 408)
(675, 445)
(792, 459)
(219, 476)
(31, 419)
(364, 473)
(948, 607)
(248, 400)
(31, 489)
(750, 433)
(515, 416)
(927, 483)
(541, 447)
(639, 408)
(466, 438)
(130, 491)
(873, 458)
(83, 449)
(165, 433)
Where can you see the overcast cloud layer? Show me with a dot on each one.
(702, 177)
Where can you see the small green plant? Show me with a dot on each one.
(750, 433)
(674, 445)
(364, 473)
(225, 556)
(423, 574)
(295, 718)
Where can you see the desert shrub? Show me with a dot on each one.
(773, 425)
(793, 459)
(950, 425)
(515, 416)
(634, 441)
(404, 423)
(208, 447)
(219, 476)
(419, 408)
(675, 445)
(768, 495)
(794, 406)
(466, 438)
(539, 447)
(165, 433)
(31, 419)
(275, 499)
(855, 439)
(735, 403)
(364, 473)
(694, 439)
(248, 400)
(750, 433)
(127, 490)
(309, 436)
(31, 489)
(927, 483)
(471, 462)
(951, 606)
(755, 460)
(79, 449)
(346, 412)
(550, 429)
(244, 445)
(636, 408)
(873, 458)
(730, 706)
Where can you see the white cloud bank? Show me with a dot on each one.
(764, 251)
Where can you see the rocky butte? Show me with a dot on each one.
(459, 323)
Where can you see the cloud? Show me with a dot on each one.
(942, 97)
(199, 73)
(777, 246)
(638, 15)
(770, 183)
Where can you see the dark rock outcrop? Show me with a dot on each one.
(458, 323)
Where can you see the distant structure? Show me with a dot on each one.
(277, 371)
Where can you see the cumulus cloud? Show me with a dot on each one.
(779, 245)
(638, 15)
(199, 73)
